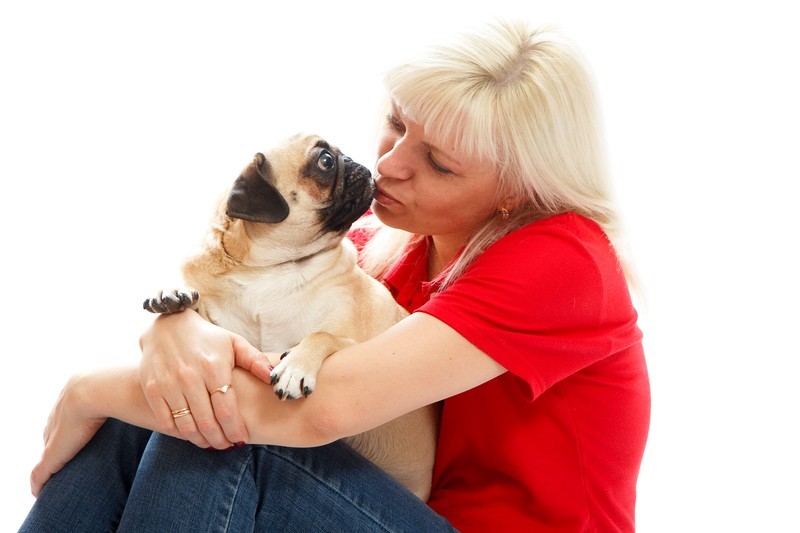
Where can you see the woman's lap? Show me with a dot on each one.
(179, 487)
(269, 488)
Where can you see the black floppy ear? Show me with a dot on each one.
(254, 197)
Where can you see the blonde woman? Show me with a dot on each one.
(493, 222)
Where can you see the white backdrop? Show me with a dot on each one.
(120, 124)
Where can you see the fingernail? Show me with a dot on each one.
(220, 449)
(239, 444)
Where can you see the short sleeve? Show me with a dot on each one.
(544, 301)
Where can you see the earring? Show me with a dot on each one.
(504, 213)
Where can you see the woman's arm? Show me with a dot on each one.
(82, 407)
(417, 362)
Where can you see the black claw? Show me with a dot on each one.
(174, 302)
(188, 299)
(273, 379)
(284, 354)
(307, 391)
(279, 394)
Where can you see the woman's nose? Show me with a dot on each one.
(395, 161)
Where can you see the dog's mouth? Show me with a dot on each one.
(351, 196)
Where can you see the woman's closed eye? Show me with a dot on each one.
(395, 123)
(439, 169)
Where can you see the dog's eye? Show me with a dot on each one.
(326, 161)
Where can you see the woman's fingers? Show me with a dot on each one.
(40, 475)
(178, 352)
(258, 363)
(213, 404)
(186, 363)
(184, 420)
(227, 413)
(204, 419)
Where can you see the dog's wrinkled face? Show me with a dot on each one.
(304, 181)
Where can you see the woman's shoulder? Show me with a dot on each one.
(566, 259)
(566, 224)
(565, 235)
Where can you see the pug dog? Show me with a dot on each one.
(276, 267)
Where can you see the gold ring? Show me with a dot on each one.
(177, 413)
(222, 389)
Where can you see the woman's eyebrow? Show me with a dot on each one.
(443, 153)
(397, 110)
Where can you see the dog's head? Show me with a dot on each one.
(304, 185)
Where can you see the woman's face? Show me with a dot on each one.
(424, 188)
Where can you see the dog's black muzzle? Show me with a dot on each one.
(350, 198)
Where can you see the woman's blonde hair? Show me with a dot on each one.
(523, 99)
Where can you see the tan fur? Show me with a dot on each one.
(291, 286)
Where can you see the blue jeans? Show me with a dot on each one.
(129, 479)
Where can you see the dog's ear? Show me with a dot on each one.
(254, 197)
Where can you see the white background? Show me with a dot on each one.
(120, 124)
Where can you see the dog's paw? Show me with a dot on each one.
(172, 301)
(294, 377)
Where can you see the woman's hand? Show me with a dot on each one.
(69, 427)
(184, 359)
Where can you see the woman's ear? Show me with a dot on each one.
(510, 202)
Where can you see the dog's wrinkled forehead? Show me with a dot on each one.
(304, 150)
(314, 166)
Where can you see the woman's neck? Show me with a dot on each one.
(441, 252)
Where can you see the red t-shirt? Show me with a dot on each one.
(554, 444)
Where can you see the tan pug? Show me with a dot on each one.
(277, 269)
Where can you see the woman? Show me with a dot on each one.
(496, 225)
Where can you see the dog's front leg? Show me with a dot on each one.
(172, 301)
(296, 374)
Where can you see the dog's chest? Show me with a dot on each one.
(272, 311)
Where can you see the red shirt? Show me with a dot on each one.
(554, 444)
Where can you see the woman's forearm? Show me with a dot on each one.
(116, 393)
(82, 407)
(353, 396)
(270, 420)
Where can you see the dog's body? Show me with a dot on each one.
(276, 269)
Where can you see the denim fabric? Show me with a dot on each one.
(123, 479)
(89, 493)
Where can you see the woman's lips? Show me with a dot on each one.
(383, 198)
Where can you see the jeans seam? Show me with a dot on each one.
(325, 482)
(228, 517)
